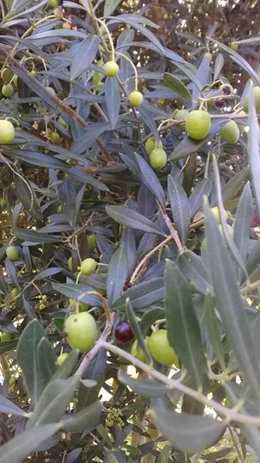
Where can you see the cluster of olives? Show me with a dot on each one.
(111, 69)
(9, 80)
(157, 344)
(156, 153)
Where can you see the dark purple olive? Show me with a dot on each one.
(220, 103)
(226, 90)
(123, 332)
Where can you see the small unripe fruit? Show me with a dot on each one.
(181, 115)
(230, 132)
(33, 73)
(74, 304)
(7, 91)
(138, 352)
(66, 26)
(6, 75)
(51, 91)
(5, 336)
(123, 332)
(158, 158)
(15, 292)
(61, 358)
(234, 46)
(198, 124)
(3, 202)
(150, 144)
(256, 94)
(54, 137)
(12, 253)
(111, 69)
(215, 212)
(135, 98)
(88, 266)
(81, 331)
(52, 3)
(161, 350)
(7, 132)
(208, 55)
(62, 123)
(92, 241)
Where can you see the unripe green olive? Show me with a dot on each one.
(181, 115)
(3, 202)
(52, 4)
(230, 132)
(88, 266)
(51, 91)
(233, 45)
(150, 144)
(54, 137)
(92, 241)
(6, 75)
(135, 98)
(5, 336)
(62, 123)
(198, 124)
(13, 253)
(7, 132)
(138, 352)
(7, 90)
(160, 348)
(81, 331)
(66, 25)
(256, 95)
(215, 212)
(158, 158)
(111, 68)
(61, 358)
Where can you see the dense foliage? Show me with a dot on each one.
(130, 252)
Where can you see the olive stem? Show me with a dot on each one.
(96, 348)
(228, 413)
(147, 256)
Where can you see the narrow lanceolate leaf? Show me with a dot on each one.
(147, 387)
(175, 84)
(132, 219)
(27, 359)
(87, 52)
(79, 292)
(45, 358)
(213, 330)
(229, 303)
(238, 59)
(203, 75)
(113, 99)
(243, 222)
(182, 324)
(22, 445)
(117, 274)
(85, 420)
(142, 295)
(136, 328)
(53, 402)
(253, 148)
(180, 207)
(6, 406)
(150, 180)
(188, 433)
(195, 271)
(196, 198)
